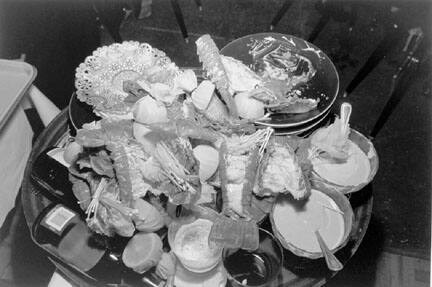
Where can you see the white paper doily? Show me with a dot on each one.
(99, 79)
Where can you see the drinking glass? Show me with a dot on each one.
(260, 267)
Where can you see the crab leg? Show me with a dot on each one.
(238, 169)
(186, 128)
(249, 182)
(121, 166)
(232, 174)
(208, 54)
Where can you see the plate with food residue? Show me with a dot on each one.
(303, 79)
(306, 129)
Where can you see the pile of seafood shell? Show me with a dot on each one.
(187, 144)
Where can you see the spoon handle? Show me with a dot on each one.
(332, 262)
(345, 113)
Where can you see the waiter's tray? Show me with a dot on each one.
(15, 78)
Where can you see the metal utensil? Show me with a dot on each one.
(345, 113)
(332, 262)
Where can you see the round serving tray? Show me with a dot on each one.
(296, 271)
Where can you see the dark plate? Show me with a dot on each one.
(323, 86)
(80, 113)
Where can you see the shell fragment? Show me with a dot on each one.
(202, 95)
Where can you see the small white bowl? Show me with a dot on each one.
(203, 264)
(300, 227)
(367, 147)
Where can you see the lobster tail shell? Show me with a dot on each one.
(289, 177)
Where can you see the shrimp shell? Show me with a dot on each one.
(237, 173)
(121, 166)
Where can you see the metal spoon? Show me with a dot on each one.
(332, 262)
(345, 113)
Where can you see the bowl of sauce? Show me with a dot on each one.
(190, 244)
(295, 221)
(351, 175)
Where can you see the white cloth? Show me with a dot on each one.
(15, 147)
(46, 109)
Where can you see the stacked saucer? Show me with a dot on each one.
(305, 128)
(257, 49)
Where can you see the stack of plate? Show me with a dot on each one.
(301, 128)
(323, 86)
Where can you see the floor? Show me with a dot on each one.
(396, 249)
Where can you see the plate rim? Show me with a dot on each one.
(69, 111)
(70, 107)
(304, 129)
